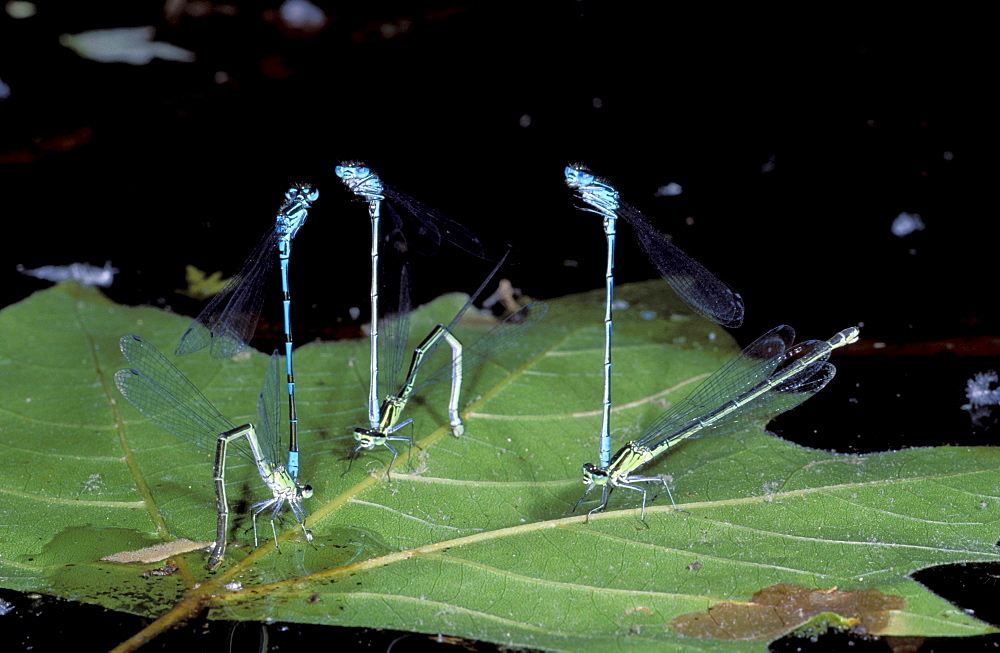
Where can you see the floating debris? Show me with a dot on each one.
(82, 273)
(131, 45)
(978, 390)
(200, 284)
(158, 552)
(906, 223)
(669, 190)
(166, 570)
(19, 9)
(302, 15)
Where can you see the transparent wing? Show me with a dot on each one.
(269, 413)
(228, 323)
(493, 343)
(167, 398)
(702, 290)
(468, 304)
(395, 330)
(417, 228)
(753, 366)
(775, 401)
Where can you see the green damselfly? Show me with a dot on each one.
(163, 394)
(398, 389)
(768, 378)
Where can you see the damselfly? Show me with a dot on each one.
(701, 289)
(226, 325)
(463, 361)
(768, 378)
(411, 228)
(163, 394)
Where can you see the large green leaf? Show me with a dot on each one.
(478, 540)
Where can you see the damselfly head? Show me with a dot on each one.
(594, 475)
(352, 170)
(304, 491)
(302, 192)
(577, 174)
(365, 438)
